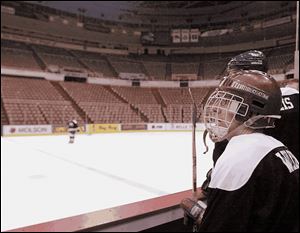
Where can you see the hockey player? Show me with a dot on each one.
(72, 129)
(250, 60)
(287, 128)
(255, 182)
(256, 60)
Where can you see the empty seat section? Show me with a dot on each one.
(26, 88)
(152, 111)
(34, 101)
(144, 100)
(100, 104)
(59, 112)
(82, 92)
(24, 112)
(175, 95)
(156, 70)
(173, 113)
(110, 113)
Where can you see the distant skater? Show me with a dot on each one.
(72, 129)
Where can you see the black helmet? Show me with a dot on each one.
(250, 60)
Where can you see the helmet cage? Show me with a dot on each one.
(220, 110)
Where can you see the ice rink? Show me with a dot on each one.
(45, 178)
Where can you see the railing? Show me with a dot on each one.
(132, 217)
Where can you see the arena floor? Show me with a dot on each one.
(45, 178)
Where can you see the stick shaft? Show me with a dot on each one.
(194, 158)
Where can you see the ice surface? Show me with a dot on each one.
(45, 178)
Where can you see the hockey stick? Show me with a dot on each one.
(194, 119)
(194, 158)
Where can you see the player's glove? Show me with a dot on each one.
(193, 209)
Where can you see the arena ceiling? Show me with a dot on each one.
(135, 12)
(181, 4)
(114, 10)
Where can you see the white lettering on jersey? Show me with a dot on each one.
(286, 104)
(288, 159)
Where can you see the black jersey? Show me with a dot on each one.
(73, 127)
(254, 187)
(287, 128)
(219, 149)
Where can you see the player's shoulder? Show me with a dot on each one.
(239, 160)
(285, 91)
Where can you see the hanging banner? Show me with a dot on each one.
(194, 35)
(185, 35)
(176, 36)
